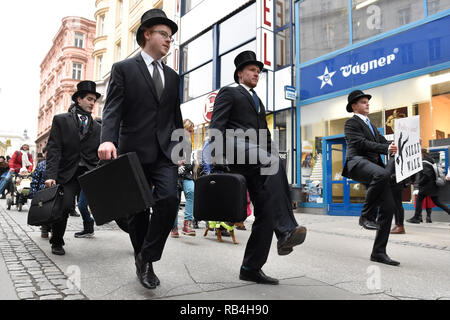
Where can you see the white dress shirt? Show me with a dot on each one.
(148, 61)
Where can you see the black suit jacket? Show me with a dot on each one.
(361, 143)
(134, 119)
(65, 148)
(234, 108)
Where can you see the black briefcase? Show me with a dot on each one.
(220, 197)
(116, 189)
(46, 206)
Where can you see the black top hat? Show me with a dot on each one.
(243, 59)
(85, 87)
(354, 96)
(151, 18)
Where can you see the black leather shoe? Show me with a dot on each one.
(292, 239)
(145, 274)
(58, 250)
(257, 276)
(414, 220)
(367, 224)
(383, 258)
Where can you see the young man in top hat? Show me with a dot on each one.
(240, 108)
(71, 151)
(363, 163)
(142, 110)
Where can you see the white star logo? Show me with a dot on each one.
(326, 78)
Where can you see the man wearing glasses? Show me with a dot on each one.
(142, 110)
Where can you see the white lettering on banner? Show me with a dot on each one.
(367, 66)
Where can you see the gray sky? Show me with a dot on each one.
(27, 29)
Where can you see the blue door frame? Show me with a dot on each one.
(337, 206)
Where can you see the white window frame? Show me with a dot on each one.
(77, 68)
(78, 40)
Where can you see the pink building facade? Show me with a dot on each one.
(68, 62)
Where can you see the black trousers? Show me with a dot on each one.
(379, 194)
(399, 214)
(272, 210)
(71, 190)
(435, 199)
(149, 234)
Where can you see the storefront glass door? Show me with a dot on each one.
(345, 196)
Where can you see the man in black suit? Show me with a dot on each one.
(363, 163)
(142, 110)
(239, 108)
(71, 151)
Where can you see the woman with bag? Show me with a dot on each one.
(427, 187)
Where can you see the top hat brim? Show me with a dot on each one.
(349, 104)
(244, 64)
(154, 21)
(76, 94)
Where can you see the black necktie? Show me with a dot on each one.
(157, 79)
(255, 99)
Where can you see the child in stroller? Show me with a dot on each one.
(20, 190)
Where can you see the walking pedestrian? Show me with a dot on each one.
(38, 183)
(363, 163)
(239, 108)
(72, 151)
(142, 110)
(186, 184)
(427, 187)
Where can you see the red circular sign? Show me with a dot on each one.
(209, 106)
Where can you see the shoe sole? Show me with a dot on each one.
(243, 278)
(188, 233)
(384, 262)
(59, 253)
(90, 235)
(297, 239)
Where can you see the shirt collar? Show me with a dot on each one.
(148, 59)
(246, 87)
(363, 118)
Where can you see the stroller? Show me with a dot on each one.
(20, 190)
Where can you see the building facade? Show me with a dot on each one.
(10, 142)
(117, 22)
(212, 34)
(67, 62)
(397, 51)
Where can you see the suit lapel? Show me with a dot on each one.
(249, 98)
(144, 70)
(366, 128)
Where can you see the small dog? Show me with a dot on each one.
(217, 226)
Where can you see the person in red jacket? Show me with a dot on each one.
(21, 159)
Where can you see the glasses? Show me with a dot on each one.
(164, 34)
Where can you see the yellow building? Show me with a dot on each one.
(117, 24)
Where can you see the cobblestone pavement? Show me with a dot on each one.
(34, 275)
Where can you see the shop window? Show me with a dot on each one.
(227, 66)
(238, 29)
(324, 27)
(435, 6)
(190, 4)
(370, 18)
(283, 123)
(197, 52)
(197, 82)
(283, 47)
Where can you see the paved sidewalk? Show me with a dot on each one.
(333, 263)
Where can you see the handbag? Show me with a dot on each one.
(46, 206)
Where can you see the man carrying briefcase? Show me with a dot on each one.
(71, 151)
(239, 108)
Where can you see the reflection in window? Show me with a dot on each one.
(197, 51)
(237, 29)
(190, 4)
(324, 27)
(282, 14)
(227, 66)
(435, 6)
(283, 45)
(197, 82)
(370, 18)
